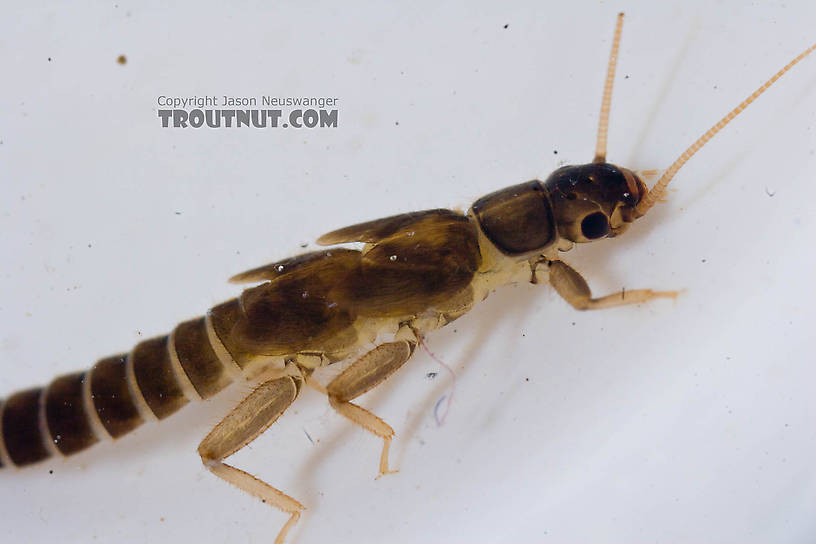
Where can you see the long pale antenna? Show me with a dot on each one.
(659, 188)
(603, 123)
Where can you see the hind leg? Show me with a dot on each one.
(240, 427)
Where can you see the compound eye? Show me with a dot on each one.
(594, 226)
(634, 189)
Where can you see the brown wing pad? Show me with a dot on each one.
(417, 266)
(372, 231)
(280, 268)
(300, 309)
(413, 262)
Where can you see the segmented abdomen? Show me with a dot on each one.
(114, 397)
(306, 303)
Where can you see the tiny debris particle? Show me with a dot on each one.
(506, 26)
(702, 260)
(49, 59)
(769, 193)
(626, 76)
(304, 245)
(308, 436)
(396, 123)
(178, 213)
(526, 379)
(555, 152)
(121, 59)
(431, 375)
(50, 472)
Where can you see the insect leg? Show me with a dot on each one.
(574, 289)
(364, 374)
(240, 427)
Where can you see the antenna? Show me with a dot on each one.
(659, 188)
(603, 123)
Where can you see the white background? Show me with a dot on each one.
(692, 421)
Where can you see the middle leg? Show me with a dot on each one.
(364, 374)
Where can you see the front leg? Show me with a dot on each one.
(574, 289)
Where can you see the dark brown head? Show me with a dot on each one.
(593, 201)
(590, 201)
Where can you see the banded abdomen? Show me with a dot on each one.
(310, 303)
(114, 397)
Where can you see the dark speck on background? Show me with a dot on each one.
(121, 59)
(506, 26)
(49, 59)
